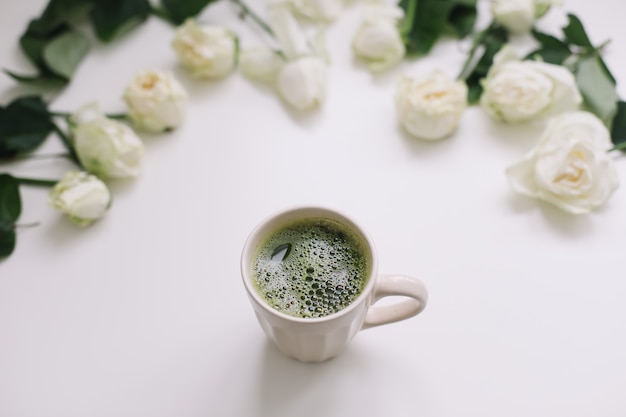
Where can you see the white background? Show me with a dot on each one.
(144, 313)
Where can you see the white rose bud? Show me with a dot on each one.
(570, 167)
(82, 197)
(105, 147)
(260, 64)
(207, 51)
(319, 10)
(430, 106)
(378, 41)
(302, 83)
(518, 16)
(156, 101)
(518, 91)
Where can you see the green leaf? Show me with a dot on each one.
(56, 13)
(33, 42)
(7, 241)
(597, 89)
(64, 53)
(426, 20)
(49, 79)
(549, 41)
(552, 49)
(462, 18)
(10, 210)
(618, 129)
(575, 32)
(38, 46)
(10, 204)
(549, 55)
(178, 11)
(24, 124)
(113, 18)
(486, 45)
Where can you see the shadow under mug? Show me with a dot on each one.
(319, 339)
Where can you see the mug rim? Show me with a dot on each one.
(362, 233)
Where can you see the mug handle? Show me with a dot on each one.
(395, 285)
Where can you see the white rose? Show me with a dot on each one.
(518, 91)
(430, 106)
(518, 16)
(378, 41)
(207, 51)
(319, 10)
(105, 147)
(570, 167)
(260, 64)
(156, 101)
(302, 83)
(82, 197)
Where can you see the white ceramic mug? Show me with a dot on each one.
(319, 339)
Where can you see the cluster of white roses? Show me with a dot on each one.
(108, 148)
(296, 66)
(570, 166)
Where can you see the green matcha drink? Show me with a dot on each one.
(310, 268)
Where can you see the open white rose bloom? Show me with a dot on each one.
(156, 101)
(207, 51)
(430, 106)
(81, 196)
(518, 16)
(378, 41)
(298, 68)
(570, 167)
(518, 91)
(105, 147)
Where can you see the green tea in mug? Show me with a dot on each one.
(310, 268)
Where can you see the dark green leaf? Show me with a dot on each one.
(113, 18)
(597, 89)
(10, 210)
(10, 204)
(178, 11)
(462, 18)
(33, 42)
(7, 241)
(48, 79)
(551, 56)
(552, 49)
(426, 24)
(549, 41)
(575, 32)
(56, 13)
(618, 130)
(486, 46)
(64, 53)
(606, 70)
(426, 20)
(24, 124)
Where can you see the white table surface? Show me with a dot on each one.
(144, 314)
